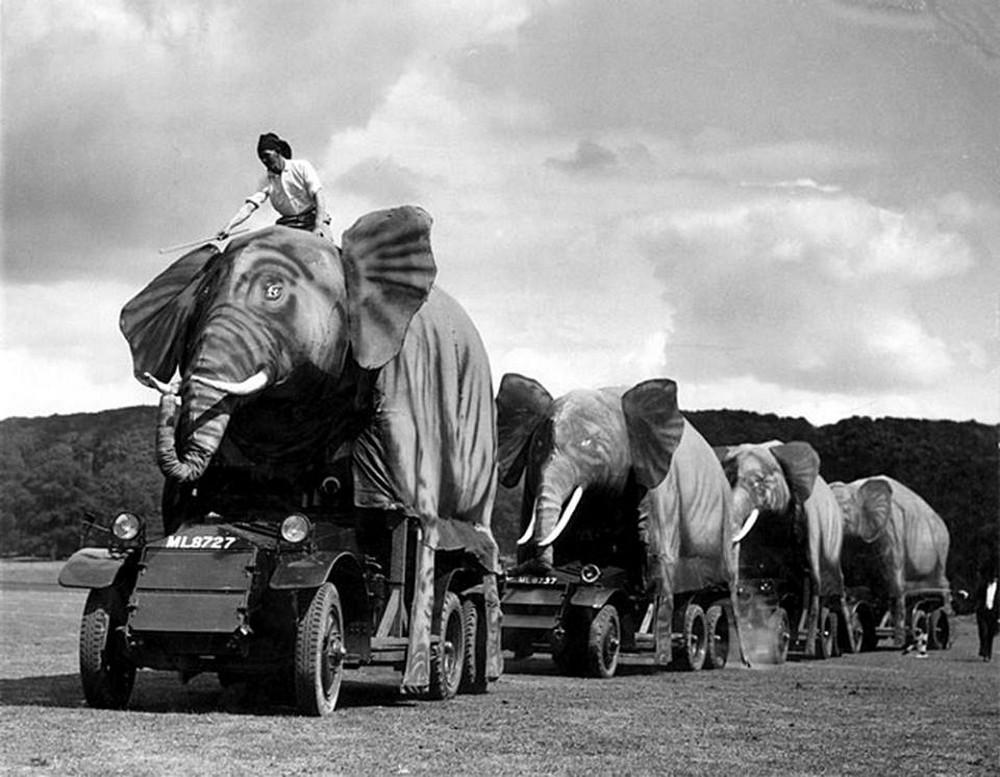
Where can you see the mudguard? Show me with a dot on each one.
(592, 596)
(91, 568)
(309, 571)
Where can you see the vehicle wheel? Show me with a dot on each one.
(781, 636)
(448, 651)
(319, 653)
(603, 643)
(474, 666)
(693, 646)
(105, 670)
(939, 633)
(717, 629)
(826, 639)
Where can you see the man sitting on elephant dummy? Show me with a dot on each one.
(292, 185)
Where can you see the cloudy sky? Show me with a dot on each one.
(788, 207)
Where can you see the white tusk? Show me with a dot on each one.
(167, 389)
(747, 526)
(254, 383)
(529, 532)
(564, 518)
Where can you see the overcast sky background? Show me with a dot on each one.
(788, 207)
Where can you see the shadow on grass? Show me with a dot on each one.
(163, 692)
(541, 665)
(61, 690)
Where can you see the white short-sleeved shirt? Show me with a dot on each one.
(292, 191)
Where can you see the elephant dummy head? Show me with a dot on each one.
(281, 322)
(597, 443)
(867, 508)
(768, 479)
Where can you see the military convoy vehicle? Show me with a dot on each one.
(301, 597)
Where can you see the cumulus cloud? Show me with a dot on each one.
(976, 23)
(809, 292)
(583, 165)
(798, 183)
(62, 350)
(589, 157)
(383, 180)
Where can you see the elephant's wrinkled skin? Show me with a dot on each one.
(650, 484)
(357, 347)
(907, 537)
(782, 481)
(291, 351)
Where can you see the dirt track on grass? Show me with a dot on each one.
(874, 713)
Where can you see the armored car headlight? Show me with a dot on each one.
(126, 527)
(590, 573)
(295, 528)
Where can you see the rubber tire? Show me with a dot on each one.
(448, 651)
(319, 653)
(106, 674)
(604, 643)
(939, 631)
(781, 635)
(717, 631)
(826, 633)
(691, 656)
(474, 665)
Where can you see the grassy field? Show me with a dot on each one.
(874, 713)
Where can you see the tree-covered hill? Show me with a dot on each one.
(56, 470)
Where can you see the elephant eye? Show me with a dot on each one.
(273, 290)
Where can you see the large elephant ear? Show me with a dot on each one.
(875, 496)
(389, 270)
(154, 320)
(800, 463)
(655, 427)
(522, 404)
(726, 454)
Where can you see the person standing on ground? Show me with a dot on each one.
(987, 610)
(292, 185)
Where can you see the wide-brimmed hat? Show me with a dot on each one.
(270, 140)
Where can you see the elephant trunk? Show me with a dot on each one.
(745, 511)
(228, 345)
(184, 449)
(559, 482)
(564, 518)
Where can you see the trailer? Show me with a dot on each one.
(775, 611)
(300, 596)
(895, 552)
(774, 592)
(926, 610)
(590, 619)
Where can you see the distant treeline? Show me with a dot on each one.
(55, 471)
